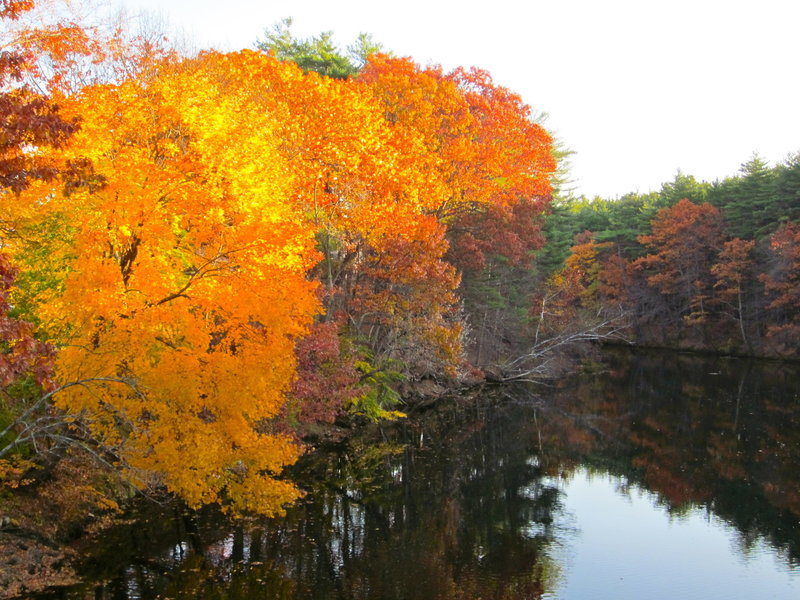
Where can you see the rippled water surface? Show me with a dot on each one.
(663, 476)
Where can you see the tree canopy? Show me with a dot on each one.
(202, 253)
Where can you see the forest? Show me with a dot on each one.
(697, 265)
(206, 258)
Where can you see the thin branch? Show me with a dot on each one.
(23, 419)
(537, 360)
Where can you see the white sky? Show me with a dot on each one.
(638, 89)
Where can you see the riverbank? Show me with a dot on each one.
(41, 520)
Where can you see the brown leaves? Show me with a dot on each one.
(782, 285)
(683, 247)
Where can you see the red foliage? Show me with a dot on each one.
(733, 268)
(511, 232)
(326, 376)
(683, 247)
(29, 120)
(784, 281)
(782, 284)
(20, 353)
(406, 302)
(614, 278)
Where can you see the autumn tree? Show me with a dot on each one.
(25, 362)
(474, 157)
(682, 247)
(347, 182)
(619, 221)
(30, 119)
(782, 284)
(22, 354)
(69, 45)
(328, 380)
(734, 276)
(494, 250)
(583, 303)
(593, 281)
(475, 143)
(175, 265)
(572, 290)
(721, 296)
(412, 151)
(404, 303)
(182, 274)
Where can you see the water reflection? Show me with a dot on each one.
(720, 433)
(625, 549)
(500, 498)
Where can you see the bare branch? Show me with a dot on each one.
(536, 362)
(30, 429)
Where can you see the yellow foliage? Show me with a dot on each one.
(185, 278)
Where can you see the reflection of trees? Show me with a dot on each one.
(450, 519)
(724, 434)
(167, 553)
(461, 502)
(450, 506)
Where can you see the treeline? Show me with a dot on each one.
(203, 256)
(711, 266)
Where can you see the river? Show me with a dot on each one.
(659, 475)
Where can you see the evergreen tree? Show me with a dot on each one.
(787, 191)
(318, 53)
(747, 201)
(683, 186)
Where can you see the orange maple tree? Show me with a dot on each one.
(463, 139)
(461, 146)
(180, 285)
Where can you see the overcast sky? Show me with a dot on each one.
(638, 89)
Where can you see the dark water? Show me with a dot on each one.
(666, 476)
